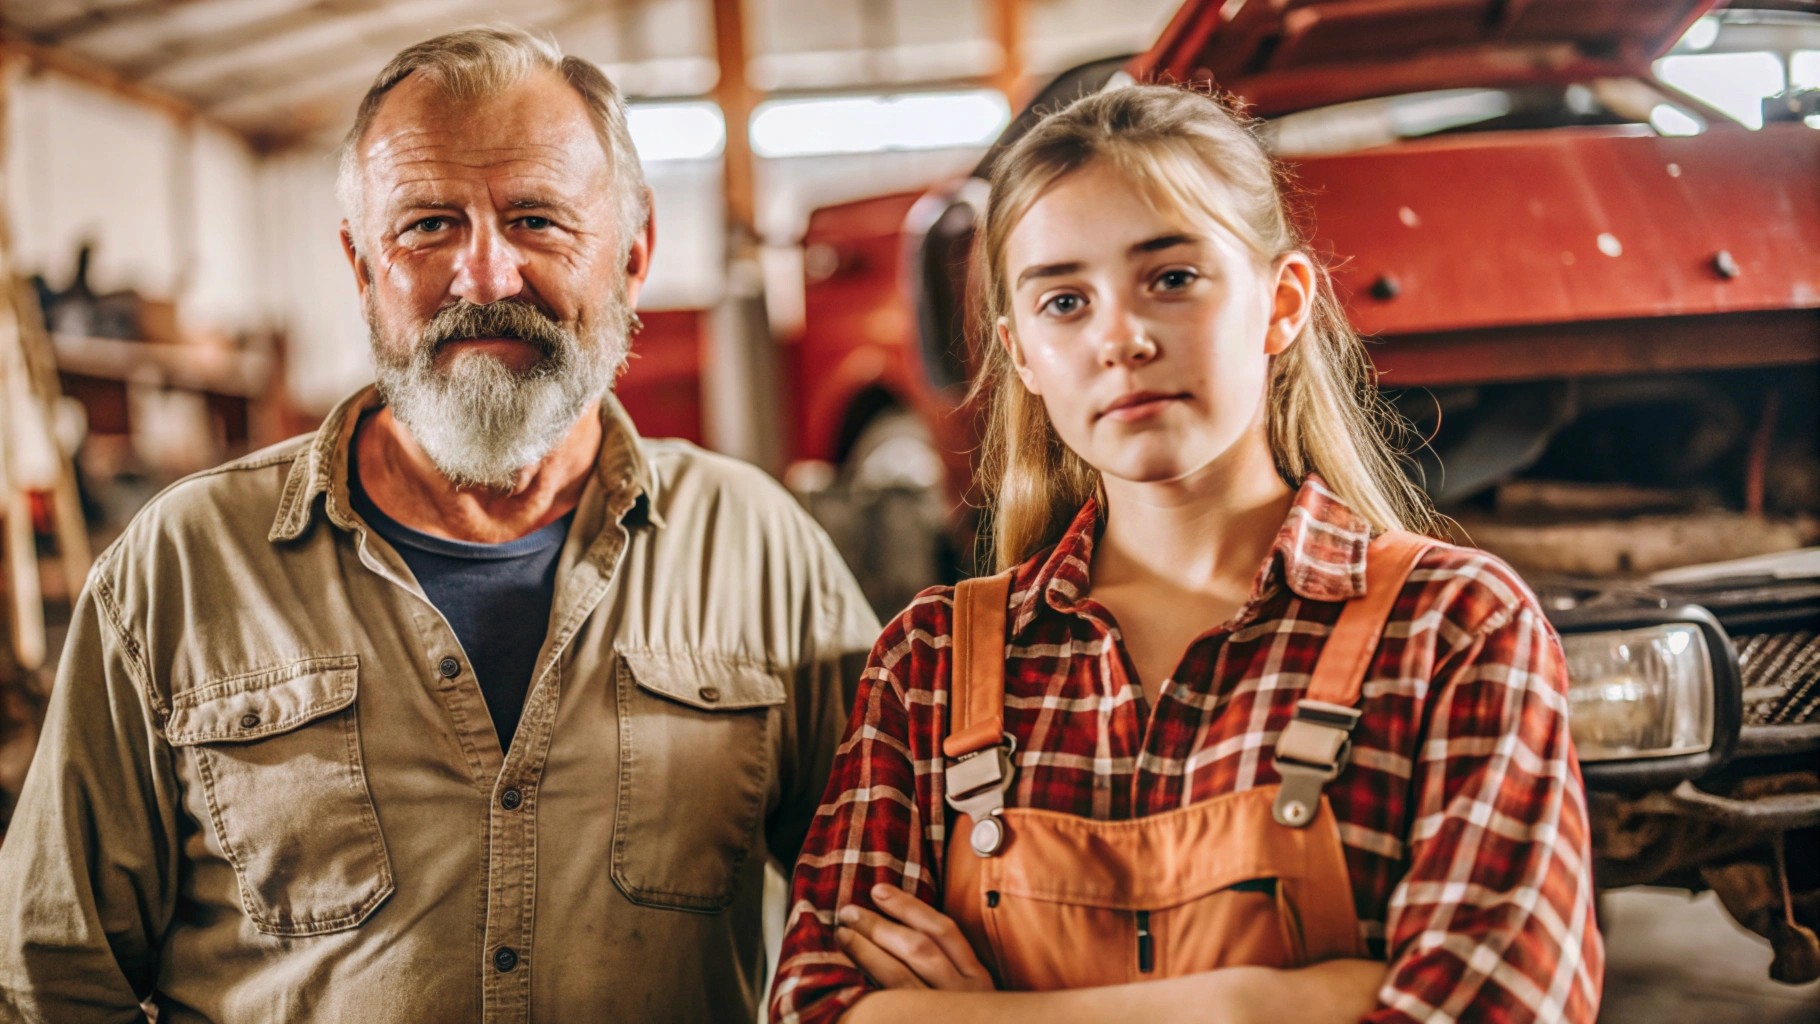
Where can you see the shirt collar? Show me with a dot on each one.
(1319, 553)
(322, 469)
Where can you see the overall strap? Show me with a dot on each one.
(1314, 746)
(976, 694)
(1346, 655)
(979, 768)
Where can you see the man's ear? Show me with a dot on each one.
(1016, 352)
(638, 254)
(1291, 303)
(363, 274)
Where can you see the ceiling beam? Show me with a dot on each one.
(39, 57)
(177, 52)
(376, 47)
(310, 89)
(94, 19)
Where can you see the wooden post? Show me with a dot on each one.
(740, 383)
(1008, 31)
(737, 100)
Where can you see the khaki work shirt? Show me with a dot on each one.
(269, 788)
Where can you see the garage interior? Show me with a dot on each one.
(168, 227)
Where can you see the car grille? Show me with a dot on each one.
(1781, 677)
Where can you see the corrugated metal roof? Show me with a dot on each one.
(288, 71)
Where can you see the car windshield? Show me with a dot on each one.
(1749, 66)
(1382, 120)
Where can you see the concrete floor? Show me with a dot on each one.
(1672, 958)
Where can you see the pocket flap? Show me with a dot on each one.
(708, 683)
(258, 704)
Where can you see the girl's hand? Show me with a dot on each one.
(922, 948)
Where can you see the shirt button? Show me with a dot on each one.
(449, 667)
(510, 799)
(504, 959)
(249, 721)
(709, 694)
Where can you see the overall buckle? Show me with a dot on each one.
(1311, 751)
(976, 784)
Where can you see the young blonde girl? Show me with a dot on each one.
(1229, 735)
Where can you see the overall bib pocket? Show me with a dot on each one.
(278, 753)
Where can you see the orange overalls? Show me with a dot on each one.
(1051, 900)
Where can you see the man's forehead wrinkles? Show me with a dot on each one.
(418, 136)
(440, 190)
(554, 159)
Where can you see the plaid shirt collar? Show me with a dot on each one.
(1319, 553)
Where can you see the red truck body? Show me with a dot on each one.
(1590, 233)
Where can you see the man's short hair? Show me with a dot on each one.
(477, 63)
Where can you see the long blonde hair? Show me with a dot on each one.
(1184, 150)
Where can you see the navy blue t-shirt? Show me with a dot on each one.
(496, 597)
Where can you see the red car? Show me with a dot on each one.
(1597, 296)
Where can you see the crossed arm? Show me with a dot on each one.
(927, 971)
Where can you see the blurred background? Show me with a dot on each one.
(1584, 236)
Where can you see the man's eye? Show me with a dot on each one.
(430, 225)
(1174, 280)
(1062, 305)
(535, 223)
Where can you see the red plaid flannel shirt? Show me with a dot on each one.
(1461, 813)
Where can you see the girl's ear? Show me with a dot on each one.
(1016, 352)
(1292, 301)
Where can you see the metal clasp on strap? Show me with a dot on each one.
(1311, 750)
(976, 783)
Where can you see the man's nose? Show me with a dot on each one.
(488, 268)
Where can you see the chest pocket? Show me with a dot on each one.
(278, 754)
(696, 759)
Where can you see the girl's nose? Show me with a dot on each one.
(1130, 343)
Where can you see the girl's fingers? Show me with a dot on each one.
(933, 923)
(906, 945)
(883, 968)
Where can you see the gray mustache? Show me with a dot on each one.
(506, 318)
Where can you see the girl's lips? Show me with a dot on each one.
(1138, 405)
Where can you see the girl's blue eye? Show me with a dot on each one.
(1176, 279)
(1063, 304)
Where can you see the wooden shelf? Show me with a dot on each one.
(187, 367)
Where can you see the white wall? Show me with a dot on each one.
(221, 288)
(170, 209)
(687, 270)
(83, 164)
(307, 289)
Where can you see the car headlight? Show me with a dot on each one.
(1640, 693)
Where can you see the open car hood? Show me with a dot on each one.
(1322, 51)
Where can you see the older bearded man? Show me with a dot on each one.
(473, 706)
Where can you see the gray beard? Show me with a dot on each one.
(480, 422)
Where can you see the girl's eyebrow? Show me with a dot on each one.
(1161, 242)
(1149, 245)
(1045, 270)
